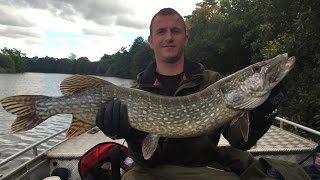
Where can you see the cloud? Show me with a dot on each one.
(12, 19)
(34, 41)
(98, 32)
(103, 12)
(128, 21)
(19, 32)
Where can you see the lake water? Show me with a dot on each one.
(33, 84)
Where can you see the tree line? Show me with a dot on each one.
(124, 63)
(225, 36)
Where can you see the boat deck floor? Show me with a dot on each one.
(276, 143)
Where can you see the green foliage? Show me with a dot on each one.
(131, 62)
(72, 56)
(124, 63)
(82, 65)
(142, 56)
(6, 64)
(120, 59)
(213, 36)
(18, 57)
(303, 42)
(243, 31)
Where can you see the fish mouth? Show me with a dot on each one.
(272, 71)
(276, 71)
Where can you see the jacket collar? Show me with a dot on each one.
(148, 78)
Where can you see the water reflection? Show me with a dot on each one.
(32, 84)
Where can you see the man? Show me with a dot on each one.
(172, 75)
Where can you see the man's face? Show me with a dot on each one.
(168, 38)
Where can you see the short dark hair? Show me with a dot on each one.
(166, 12)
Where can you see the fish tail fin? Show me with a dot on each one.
(24, 107)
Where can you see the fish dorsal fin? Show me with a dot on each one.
(77, 83)
(78, 127)
(149, 145)
(252, 103)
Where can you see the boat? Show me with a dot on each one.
(276, 143)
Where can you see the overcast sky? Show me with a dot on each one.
(88, 28)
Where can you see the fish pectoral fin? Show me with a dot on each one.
(244, 125)
(234, 121)
(77, 83)
(149, 145)
(252, 102)
(78, 127)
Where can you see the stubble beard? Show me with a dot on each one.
(173, 59)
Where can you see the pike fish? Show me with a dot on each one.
(226, 101)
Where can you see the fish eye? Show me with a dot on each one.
(256, 69)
